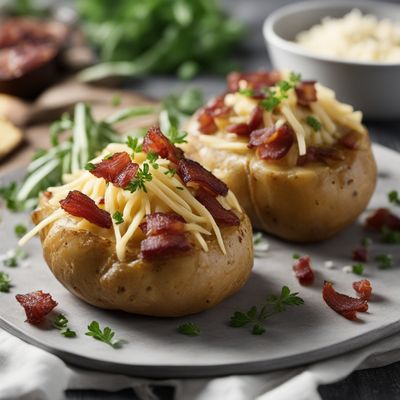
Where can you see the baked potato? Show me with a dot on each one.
(299, 162)
(160, 248)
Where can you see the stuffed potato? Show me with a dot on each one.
(299, 162)
(147, 232)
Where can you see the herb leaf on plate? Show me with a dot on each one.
(106, 335)
(189, 329)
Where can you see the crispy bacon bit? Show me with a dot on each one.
(380, 218)
(344, 305)
(206, 123)
(159, 222)
(239, 129)
(126, 175)
(215, 109)
(110, 169)
(363, 289)
(47, 194)
(255, 80)
(102, 201)
(155, 141)
(219, 213)
(272, 143)
(319, 154)
(192, 172)
(164, 245)
(306, 93)
(360, 254)
(36, 305)
(350, 140)
(303, 271)
(80, 205)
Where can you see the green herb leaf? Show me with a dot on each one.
(175, 136)
(142, 176)
(133, 143)
(248, 92)
(189, 329)
(14, 256)
(272, 305)
(385, 261)
(358, 269)
(152, 159)
(394, 198)
(20, 230)
(314, 123)
(170, 171)
(61, 323)
(390, 236)
(366, 242)
(106, 335)
(296, 256)
(5, 282)
(118, 218)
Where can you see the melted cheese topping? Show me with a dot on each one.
(334, 117)
(164, 193)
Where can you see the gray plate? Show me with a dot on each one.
(154, 349)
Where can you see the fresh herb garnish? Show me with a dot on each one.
(385, 261)
(14, 256)
(152, 158)
(61, 323)
(170, 171)
(118, 218)
(106, 335)
(390, 236)
(366, 242)
(90, 166)
(314, 123)
(275, 97)
(296, 256)
(133, 143)
(394, 197)
(116, 100)
(358, 269)
(189, 329)
(142, 176)
(256, 316)
(20, 230)
(5, 282)
(176, 136)
(248, 92)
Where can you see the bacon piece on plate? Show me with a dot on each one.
(155, 141)
(350, 140)
(360, 254)
(36, 305)
(363, 289)
(319, 154)
(306, 93)
(303, 271)
(255, 80)
(380, 218)
(344, 305)
(219, 213)
(80, 205)
(164, 245)
(243, 129)
(109, 169)
(159, 222)
(272, 143)
(192, 172)
(126, 175)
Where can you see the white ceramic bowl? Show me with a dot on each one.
(372, 87)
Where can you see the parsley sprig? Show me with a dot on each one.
(385, 261)
(118, 218)
(176, 136)
(314, 123)
(61, 323)
(143, 175)
(106, 335)
(152, 158)
(14, 257)
(5, 282)
(394, 198)
(256, 315)
(20, 230)
(170, 171)
(189, 329)
(134, 144)
(275, 96)
(358, 269)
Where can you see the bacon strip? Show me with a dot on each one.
(350, 140)
(192, 172)
(303, 271)
(80, 205)
(363, 289)
(344, 305)
(380, 218)
(306, 93)
(126, 175)
(360, 254)
(255, 80)
(155, 141)
(36, 305)
(159, 222)
(164, 245)
(319, 154)
(110, 169)
(272, 143)
(215, 109)
(256, 118)
(219, 213)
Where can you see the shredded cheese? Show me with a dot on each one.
(163, 193)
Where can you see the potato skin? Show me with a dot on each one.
(86, 264)
(301, 204)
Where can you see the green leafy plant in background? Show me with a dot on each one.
(136, 37)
